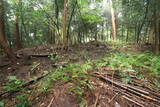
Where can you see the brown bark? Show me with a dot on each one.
(122, 31)
(5, 46)
(65, 42)
(18, 39)
(143, 22)
(114, 33)
(70, 19)
(127, 35)
(3, 42)
(156, 29)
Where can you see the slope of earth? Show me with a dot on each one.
(30, 67)
(85, 75)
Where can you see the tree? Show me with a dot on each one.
(18, 39)
(3, 42)
(65, 18)
(114, 33)
(17, 33)
(156, 22)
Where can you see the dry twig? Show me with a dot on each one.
(97, 98)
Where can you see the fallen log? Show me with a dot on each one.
(136, 82)
(35, 55)
(43, 55)
(4, 65)
(131, 89)
(129, 99)
(149, 91)
(7, 93)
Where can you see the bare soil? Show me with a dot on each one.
(103, 93)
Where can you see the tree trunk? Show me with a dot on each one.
(114, 33)
(122, 31)
(18, 38)
(70, 19)
(3, 42)
(57, 14)
(107, 33)
(65, 41)
(127, 35)
(143, 22)
(102, 33)
(156, 29)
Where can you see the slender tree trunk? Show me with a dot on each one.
(102, 33)
(107, 34)
(110, 34)
(143, 22)
(70, 19)
(3, 42)
(122, 32)
(135, 35)
(65, 17)
(127, 35)
(57, 14)
(114, 33)
(146, 36)
(18, 37)
(156, 28)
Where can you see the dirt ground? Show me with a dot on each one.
(103, 94)
(22, 69)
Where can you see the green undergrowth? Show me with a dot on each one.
(75, 75)
(12, 84)
(143, 66)
(117, 44)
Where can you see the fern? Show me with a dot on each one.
(12, 84)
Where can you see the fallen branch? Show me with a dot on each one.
(42, 55)
(131, 89)
(37, 55)
(4, 65)
(7, 93)
(97, 98)
(136, 82)
(111, 69)
(113, 97)
(129, 99)
(50, 104)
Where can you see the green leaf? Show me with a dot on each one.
(2, 104)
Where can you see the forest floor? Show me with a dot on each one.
(86, 75)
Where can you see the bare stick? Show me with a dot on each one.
(97, 98)
(50, 104)
(113, 97)
(133, 101)
(130, 89)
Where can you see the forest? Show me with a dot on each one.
(79, 53)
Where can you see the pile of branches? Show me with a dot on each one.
(133, 93)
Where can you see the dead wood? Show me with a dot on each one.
(129, 99)
(42, 55)
(10, 92)
(4, 65)
(97, 98)
(130, 89)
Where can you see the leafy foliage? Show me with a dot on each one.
(75, 74)
(24, 102)
(144, 65)
(12, 84)
(2, 104)
(90, 18)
